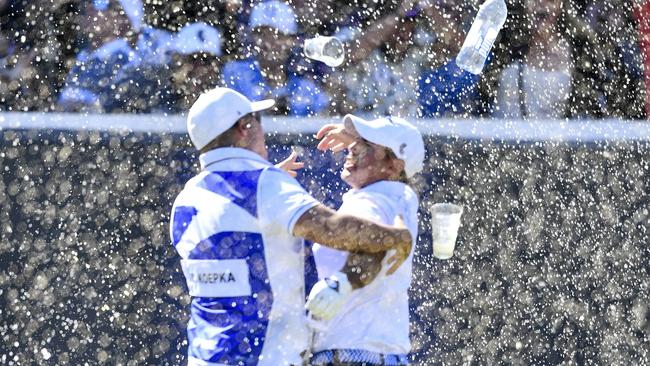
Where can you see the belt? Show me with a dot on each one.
(360, 356)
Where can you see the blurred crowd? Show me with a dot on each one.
(553, 59)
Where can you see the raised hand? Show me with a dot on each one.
(290, 165)
(335, 137)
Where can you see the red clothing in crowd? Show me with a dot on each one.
(642, 13)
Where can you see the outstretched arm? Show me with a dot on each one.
(328, 295)
(323, 225)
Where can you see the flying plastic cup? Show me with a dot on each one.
(325, 49)
(445, 221)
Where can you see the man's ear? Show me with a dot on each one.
(242, 128)
(398, 166)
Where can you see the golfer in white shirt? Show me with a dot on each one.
(366, 321)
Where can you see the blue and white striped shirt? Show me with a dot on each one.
(232, 225)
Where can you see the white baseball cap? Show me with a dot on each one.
(216, 111)
(274, 14)
(395, 133)
(197, 37)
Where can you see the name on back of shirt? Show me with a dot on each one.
(217, 277)
(214, 277)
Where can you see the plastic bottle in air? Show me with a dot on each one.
(478, 43)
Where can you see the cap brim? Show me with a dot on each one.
(363, 128)
(262, 105)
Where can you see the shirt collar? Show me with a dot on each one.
(387, 187)
(225, 153)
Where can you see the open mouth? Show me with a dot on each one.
(349, 165)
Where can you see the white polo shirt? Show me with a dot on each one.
(376, 317)
(231, 224)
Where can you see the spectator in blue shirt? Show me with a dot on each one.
(267, 72)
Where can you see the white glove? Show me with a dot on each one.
(328, 295)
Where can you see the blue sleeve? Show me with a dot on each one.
(305, 97)
(244, 77)
(445, 89)
(89, 74)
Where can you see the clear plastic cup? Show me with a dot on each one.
(445, 221)
(329, 50)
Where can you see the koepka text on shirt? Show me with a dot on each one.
(213, 277)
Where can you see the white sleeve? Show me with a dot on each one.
(282, 200)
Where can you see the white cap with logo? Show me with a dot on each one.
(217, 110)
(274, 14)
(395, 133)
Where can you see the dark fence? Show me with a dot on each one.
(552, 263)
